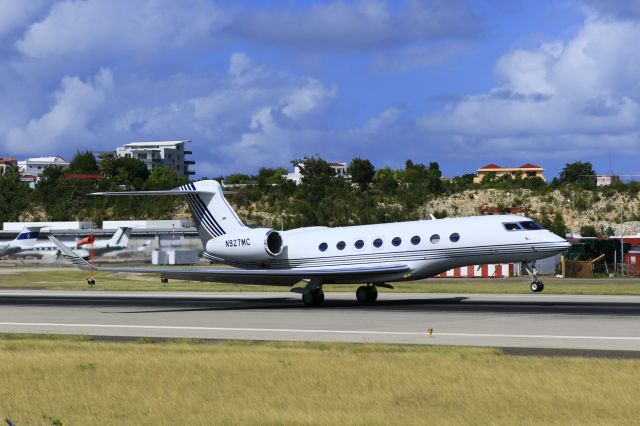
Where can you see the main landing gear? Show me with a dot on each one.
(312, 294)
(313, 298)
(536, 285)
(367, 294)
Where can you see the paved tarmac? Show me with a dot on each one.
(511, 321)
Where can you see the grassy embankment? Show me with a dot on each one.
(73, 279)
(73, 381)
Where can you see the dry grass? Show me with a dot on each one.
(84, 383)
(67, 278)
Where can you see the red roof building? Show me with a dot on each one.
(526, 170)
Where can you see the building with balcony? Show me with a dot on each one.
(526, 170)
(169, 154)
(35, 166)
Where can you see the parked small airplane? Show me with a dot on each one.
(118, 241)
(25, 240)
(373, 255)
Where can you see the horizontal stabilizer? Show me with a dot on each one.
(72, 257)
(155, 193)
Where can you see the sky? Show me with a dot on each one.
(259, 83)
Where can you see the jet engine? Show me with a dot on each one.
(251, 245)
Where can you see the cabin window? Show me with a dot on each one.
(415, 240)
(341, 245)
(323, 247)
(454, 237)
(435, 239)
(531, 225)
(396, 241)
(377, 243)
(359, 244)
(512, 226)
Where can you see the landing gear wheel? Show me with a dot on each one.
(91, 282)
(367, 294)
(537, 286)
(313, 298)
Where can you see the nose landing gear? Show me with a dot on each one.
(536, 285)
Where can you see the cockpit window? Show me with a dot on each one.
(511, 226)
(531, 225)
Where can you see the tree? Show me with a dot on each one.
(588, 231)
(362, 172)
(314, 167)
(578, 172)
(558, 226)
(386, 181)
(236, 178)
(267, 176)
(127, 171)
(83, 162)
(164, 178)
(14, 195)
(421, 176)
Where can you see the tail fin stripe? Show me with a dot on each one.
(202, 211)
(198, 216)
(206, 214)
(197, 211)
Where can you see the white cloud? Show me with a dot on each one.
(97, 27)
(582, 93)
(69, 118)
(15, 14)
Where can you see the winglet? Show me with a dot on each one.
(72, 257)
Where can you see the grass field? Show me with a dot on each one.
(77, 382)
(67, 278)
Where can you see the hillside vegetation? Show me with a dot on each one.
(568, 203)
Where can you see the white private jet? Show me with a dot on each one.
(25, 240)
(118, 241)
(373, 255)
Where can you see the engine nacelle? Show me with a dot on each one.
(253, 244)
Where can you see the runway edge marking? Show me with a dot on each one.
(316, 331)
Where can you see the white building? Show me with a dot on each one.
(606, 180)
(295, 177)
(339, 169)
(169, 154)
(35, 166)
(47, 226)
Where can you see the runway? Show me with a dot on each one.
(511, 321)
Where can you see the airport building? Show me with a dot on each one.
(526, 170)
(35, 166)
(169, 154)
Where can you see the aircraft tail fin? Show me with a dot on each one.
(211, 212)
(27, 238)
(120, 238)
